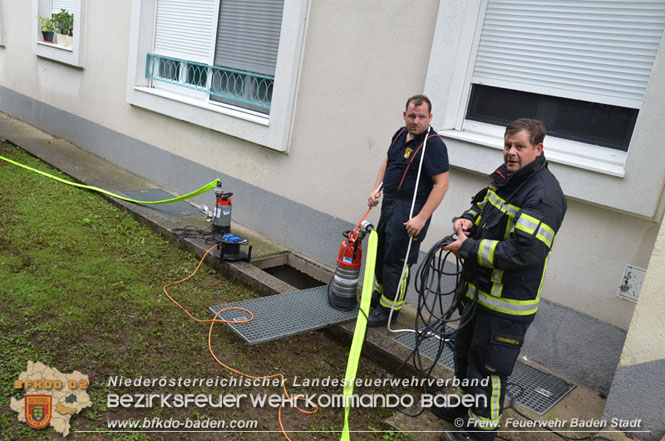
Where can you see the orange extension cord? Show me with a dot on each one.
(212, 325)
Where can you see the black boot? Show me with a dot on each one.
(450, 414)
(376, 298)
(379, 317)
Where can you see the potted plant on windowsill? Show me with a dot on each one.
(47, 27)
(64, 24)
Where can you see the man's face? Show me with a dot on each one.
(417, 119)
(518, 151)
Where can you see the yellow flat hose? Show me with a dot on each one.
(359, 332)
(201, 190)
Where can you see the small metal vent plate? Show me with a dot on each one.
(282, 315)
(539, 391)
(172, 210)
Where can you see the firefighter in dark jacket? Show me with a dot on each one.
(505, 239)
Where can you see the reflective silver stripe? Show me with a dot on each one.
(495, 405)
(507, 306)
(476, 422)
(497, 286)
(497, 276)
(544, 232)
(486, 252)
(528, 225)
(498, 203)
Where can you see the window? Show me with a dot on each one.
(580, 66)
(68, 49)
(2, 22)
(221, 50)
(228, 65)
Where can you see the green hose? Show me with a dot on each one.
(201, 190)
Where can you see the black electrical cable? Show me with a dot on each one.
(191, 232)
(437, 309)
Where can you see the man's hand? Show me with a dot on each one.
(457, 245)
(464, 224)
(373, 199)
(414, 225)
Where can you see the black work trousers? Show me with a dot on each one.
(485, 352)
(393, 242)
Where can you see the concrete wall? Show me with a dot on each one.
(359, 64)
(638, 389)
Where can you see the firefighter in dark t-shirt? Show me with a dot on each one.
(398, 176)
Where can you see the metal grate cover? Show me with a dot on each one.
(172, 210)
(282, 315)
(539, 391)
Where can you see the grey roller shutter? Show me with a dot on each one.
(68, 5)
(599, 51)
(184, 29)
(248, 35)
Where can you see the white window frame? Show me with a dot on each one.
(73, 56)
(3, 21)
(577, 154)
(273, 130)
(631, 183)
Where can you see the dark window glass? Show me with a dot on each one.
(591, 123)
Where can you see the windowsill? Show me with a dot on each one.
(217, 108)
(588, 157)
(54, 45)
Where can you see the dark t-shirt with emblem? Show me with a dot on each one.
(403, 162)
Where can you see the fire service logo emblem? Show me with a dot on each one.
(38, 410)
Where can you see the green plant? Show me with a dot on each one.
(46, 24)
(64, 21)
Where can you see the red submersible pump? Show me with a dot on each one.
(343, 287)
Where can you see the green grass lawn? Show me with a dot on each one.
(81, 289)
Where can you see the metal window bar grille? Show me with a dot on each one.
(234, 85)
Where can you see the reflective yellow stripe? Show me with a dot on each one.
(495, 399)
(536, 227)
(501, 205)
(506, 306)
(497, 285)
(378, 287)
(546, 234)
(388, 303)
(527, 223)
(476, 422)
(486, 252)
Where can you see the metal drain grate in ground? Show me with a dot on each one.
(539, 391)
(282, 315)
(172, 210)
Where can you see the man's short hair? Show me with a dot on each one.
(418, 100)
(535, 128)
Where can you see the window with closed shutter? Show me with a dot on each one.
(579, 65)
